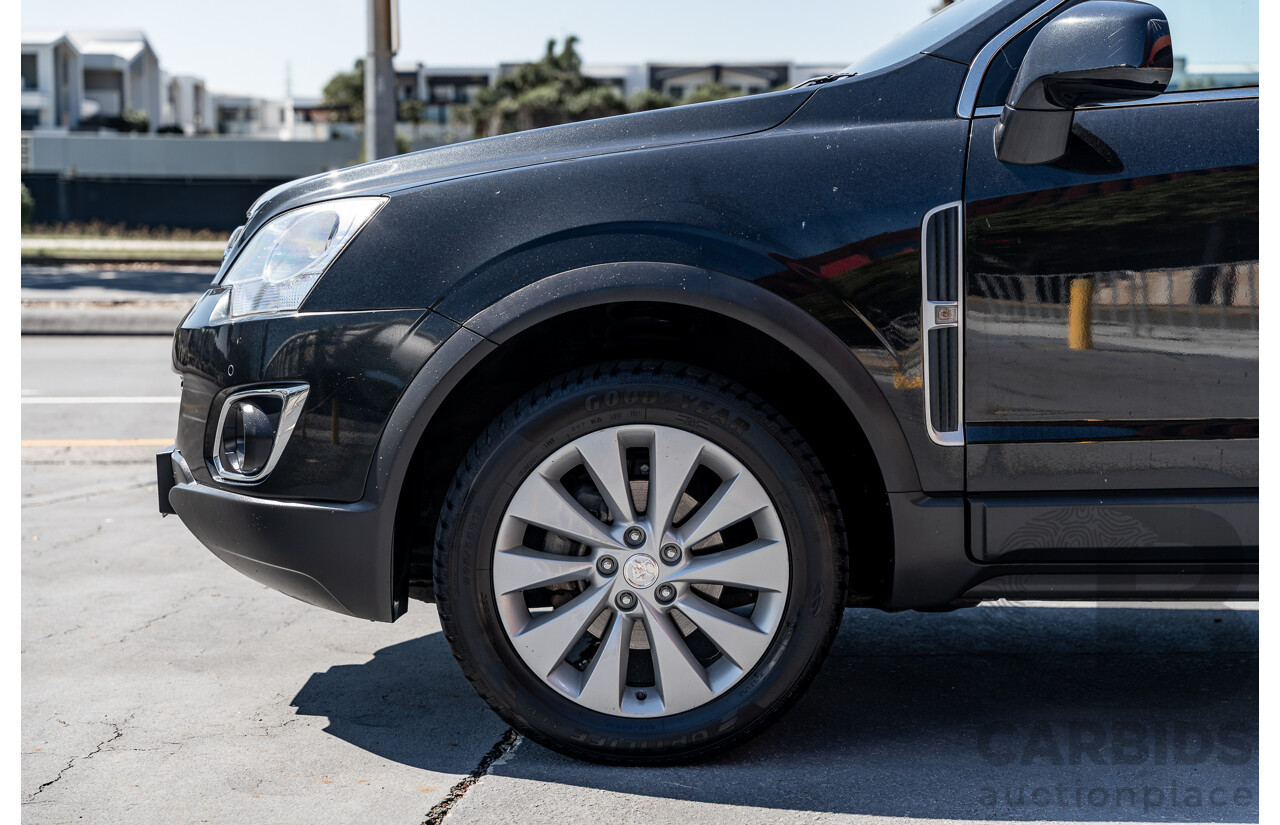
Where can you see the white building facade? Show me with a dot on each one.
(121, 73)
(188, 106)
(52, 81)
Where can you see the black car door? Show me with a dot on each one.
(1111, 327)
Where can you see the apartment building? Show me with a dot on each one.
(52, 81)
(121, 72)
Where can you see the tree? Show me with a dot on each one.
(28, 205)
(546, 92)
(411, 111)
(345, 92)
(553, 90)
(646, 100)
(708, 92)
(134, 120)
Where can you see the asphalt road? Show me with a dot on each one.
(159, 686)
(124, 298)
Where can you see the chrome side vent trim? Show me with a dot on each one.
(944, 390)
(942, 251)
(942, 322)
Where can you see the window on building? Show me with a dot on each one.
(30, 78)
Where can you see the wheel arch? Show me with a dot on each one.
(542, 308)
(725, 295)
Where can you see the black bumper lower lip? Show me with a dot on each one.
(334, 556)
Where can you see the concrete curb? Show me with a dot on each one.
(117, 319)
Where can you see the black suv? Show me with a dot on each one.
(644, 403)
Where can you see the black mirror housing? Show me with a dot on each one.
(1101, 51)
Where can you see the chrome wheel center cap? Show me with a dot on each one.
(640, 570)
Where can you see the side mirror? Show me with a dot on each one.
(1100, 51)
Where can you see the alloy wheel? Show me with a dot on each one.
(641, 570)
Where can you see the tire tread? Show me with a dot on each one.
(620, 373)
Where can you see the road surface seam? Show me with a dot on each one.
(504, 746)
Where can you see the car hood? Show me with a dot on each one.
(662, 127)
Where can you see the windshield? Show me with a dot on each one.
(921, 37)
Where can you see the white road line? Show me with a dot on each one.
(102, 399)
(97, 442)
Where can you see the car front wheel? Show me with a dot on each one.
(640, 562)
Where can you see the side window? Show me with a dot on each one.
(1215, 46)
(1004, 66)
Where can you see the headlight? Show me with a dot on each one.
(285, 258)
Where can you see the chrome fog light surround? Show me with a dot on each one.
(290, 399)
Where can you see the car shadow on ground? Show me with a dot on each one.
(1008, 712)
(410, 704)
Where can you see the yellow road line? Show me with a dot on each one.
(97, 399)
(98, 442)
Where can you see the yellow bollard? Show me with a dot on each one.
(1080, 314)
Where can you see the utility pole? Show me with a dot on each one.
(379, 80)
(286, 130)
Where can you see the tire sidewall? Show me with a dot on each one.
(537, 431)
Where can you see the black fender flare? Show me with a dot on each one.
(599, 284)
(726, 295)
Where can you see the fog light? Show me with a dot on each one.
(246, 442)
(253, 429)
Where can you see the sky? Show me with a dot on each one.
(245, 45)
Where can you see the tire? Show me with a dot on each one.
(518, 570)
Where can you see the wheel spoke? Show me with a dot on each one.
(672, 461)
(732, 493)
(605, 678)
(680, 679)
(758, 565)
(737, 498)
(546, 639)
(605, 460)
(525, 569)
(545, 503)
(735, 635)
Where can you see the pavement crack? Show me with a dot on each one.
(294, 619)
(55, 633)
(117, 732)
(277, 726)
(60, 498)
(182, 604)
(501, 749)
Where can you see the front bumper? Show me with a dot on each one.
(337, 556)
